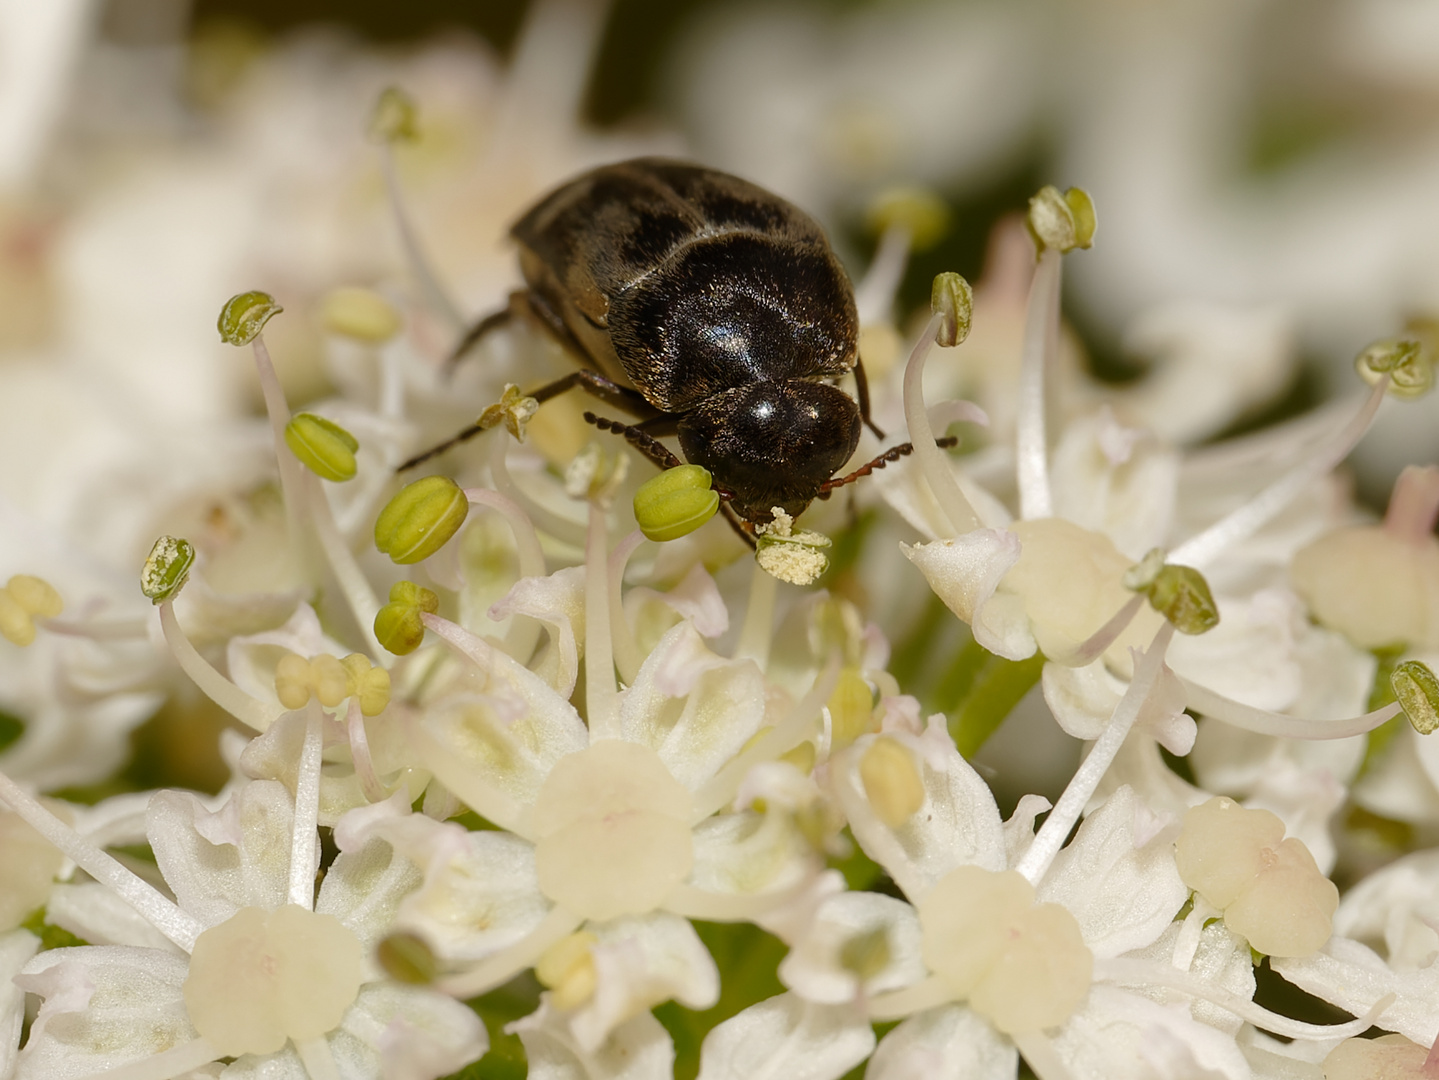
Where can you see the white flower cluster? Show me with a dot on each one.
(487, 736)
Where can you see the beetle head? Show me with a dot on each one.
(772, 443)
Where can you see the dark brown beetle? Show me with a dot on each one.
(709, 309)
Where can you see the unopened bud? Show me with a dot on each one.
(1408, 364)
(419, 520)
(395, 118)
(675, 503)
(166, 569)
(244, 316)
(322, 446)
(1061, 222)
(1417, 692)
(951, 296)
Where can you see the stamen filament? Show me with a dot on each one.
(696, 903)
(757, 633)
(561, 528)
(167, 1064)
(627, 651)
(97, 629)
(1041, 339)
(292, 485)
(504, 965)
(161, 913)
(1089, 650)
(932, 462)
(897, 1004)
(527, 543)
(601, 696)
(874, 295)
(250, 711)
(1216, 706)
(434, 294)
(1201, 549)
(353, 582)
(305, 839)
(360, 753)
(1081, 788)
(1147, 973)
(317, 1059)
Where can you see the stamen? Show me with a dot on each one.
(1089, 650)
(1041, 339)
(874, 295)
(250, 711)
(1128, 972)
(393, 121)
(353, 583)
(932, 463)
(601, 696)
(627, 651)
(1216, 706)
(161, 913)
(897, 1004)
(504, 965)
(292, 479)
(527, 544)
(360, 754)
(1248, 519)
(305, 838)
(561, 528)
(696, 903)
(757, 632)
(1081, 788)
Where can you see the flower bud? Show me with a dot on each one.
(398, 626)
(395, 117)
(920, 212)
(322, 446)
(166, 569)
(419, 520)
(362, 314)
(676, 502)
(951, 296)
(245, 315)
(1417, 692)
(1061, 222)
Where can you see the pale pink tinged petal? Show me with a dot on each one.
(640, 1049)
(964, 572)
(947, 1043)
(1396, 911)
(420, 1034)
(788, 1037)
(365, 888)
(1081, 698)
(1352, 976)
(695, 598)
(558, 601)
(1019, 829)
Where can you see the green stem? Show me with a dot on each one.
(979, 690)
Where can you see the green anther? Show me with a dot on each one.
(167, 569)
(417, 596)
(419, 520)
(1061, 222)
(1408, 364)
(919, 211)
(398, 626)
(1140, 577)
(323, 446)
(1182, 596)
(244, 316)
(676, 502)
(395, 118)
(1417, 692)
(407, 958)
(867, 953)
(951, 296)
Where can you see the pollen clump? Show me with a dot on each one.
(1269, 888)
(614, 831)
(263, 977)
(1021, 965)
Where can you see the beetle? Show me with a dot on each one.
(709, 309)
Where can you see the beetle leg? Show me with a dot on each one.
(493, 321)
(894, 453)
(861, 385)
(736, 523)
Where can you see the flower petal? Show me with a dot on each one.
(787, 1036)
(947, 1043)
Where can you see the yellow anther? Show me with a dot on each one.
(370, 685)
(293, 680)
(891, 781)
(330, 680)
(802, 757)
(568, 969)
(15, 622)
(36, 595)
(359, 313)
(851, 709)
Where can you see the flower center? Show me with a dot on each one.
(1023, 966)
(262, 977)
(614, 831)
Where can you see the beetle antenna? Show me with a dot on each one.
(642, 441)
(894, 453)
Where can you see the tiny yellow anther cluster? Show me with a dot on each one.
(567, 968)
(22, 601)
(331, 680)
